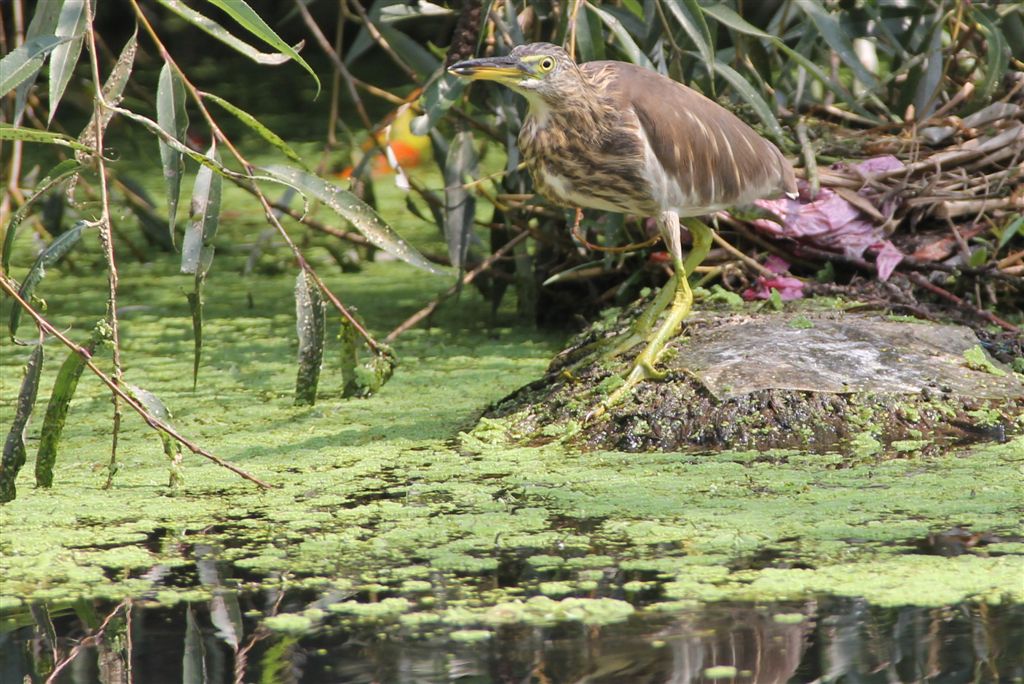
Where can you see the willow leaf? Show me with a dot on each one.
(57, 410)
(240, 11)
(44, 23)
(438, 97)
(157, 408)
(311, 326)
(362, 217)
(626, 42)
(14, 447)
(222, 34)
(836, 37)
(997, 55)
(728, 17)
(689, 16)
(8, 132)
(205, 218)
(49, 256)
(753, 98)
(254, 124)
(195, 307)
(226, 616)
(724, 14)
(1015, 226)
(24, 61)
(173, 120)
(349, 358)
(71, 25)
(193, 664)
(57, 174)
(197, 249)
(113, 89)
(459, 202)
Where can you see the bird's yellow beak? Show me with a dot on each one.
(501, 69)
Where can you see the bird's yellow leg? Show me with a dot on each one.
(702, 238)
(640, 329)
(681, 304)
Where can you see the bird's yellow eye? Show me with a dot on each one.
(547, 64)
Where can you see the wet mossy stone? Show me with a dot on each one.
(837, 380)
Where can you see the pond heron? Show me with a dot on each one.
(618, 137)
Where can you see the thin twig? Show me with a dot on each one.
(724, 244)
(810, 161)
(150, 419)
(106, 239)
(919, 279)
(382, 42)
(87, 642)
(469, 277)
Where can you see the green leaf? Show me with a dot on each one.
(438, 97)
(753, 98)
(222, 34)
(240, 11)
(193, 661)
(688, 14)
(71, 24)
(362, 217)
(311, 326)
(56, 175)
(57, 410)
(8, 132)
(926, 81)
(724, 14)
(261, 130)
(24, 61)
(349, 357)
(197, 247)
(195, 307)
(14, 447)
(728, 17)
(997, 55)
(1012, 229)
(835, 35)
(459, 202)
(173, 119)
(49, 256)
(629, 46)
(113, 89)
(157, 408)
(44, 23)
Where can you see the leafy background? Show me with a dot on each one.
(362, 105)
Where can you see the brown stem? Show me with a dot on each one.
(149, 418)
(88, 642)
(382, 42)
(106, 240)
(919, 279)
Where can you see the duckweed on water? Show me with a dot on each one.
(377, 504)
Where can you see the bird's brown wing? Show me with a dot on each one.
(713, 156)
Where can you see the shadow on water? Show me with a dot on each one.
(226, 639)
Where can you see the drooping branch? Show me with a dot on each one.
(149, 418)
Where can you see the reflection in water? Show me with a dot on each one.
(225, 640)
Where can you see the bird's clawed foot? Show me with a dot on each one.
(677, 298)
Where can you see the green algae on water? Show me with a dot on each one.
(386, 511)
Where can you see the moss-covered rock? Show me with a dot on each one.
(819, 380)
